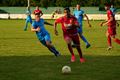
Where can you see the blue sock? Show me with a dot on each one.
(84, 39)
(53, 50)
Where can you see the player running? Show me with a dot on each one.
(42, 34)
(28, 19)
(111, 31)
(69, 26)
(79, 14)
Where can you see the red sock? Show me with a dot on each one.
(117, 40)
(109, 41)
(79, 51)
(70, 49)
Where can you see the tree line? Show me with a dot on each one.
(57, 3)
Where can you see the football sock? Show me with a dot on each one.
(70, 49)
(84, 39)
(117, 40)
(53, 50)
(109, 41)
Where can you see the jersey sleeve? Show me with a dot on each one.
(59, 20)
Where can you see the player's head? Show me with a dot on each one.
(37, 17)
(37, 7)
(78, 6)
(107, 6)
(67, 12)
(112, 6)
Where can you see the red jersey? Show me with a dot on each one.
(37, 11)
(65, 22)
(109, 14)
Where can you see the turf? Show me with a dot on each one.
(22, 57)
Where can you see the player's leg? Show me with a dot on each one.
(30, 20)
(50, 46)
(68, 41)
(26, 25)
(112, 32)
(109, 41)
(84, 39)
(77, 42)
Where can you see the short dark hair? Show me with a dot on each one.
(107, 4)
(67, 8)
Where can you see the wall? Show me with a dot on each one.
(48, 16)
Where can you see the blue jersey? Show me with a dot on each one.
(79, 15)
(28, 13)
(43, 33)
(28, 19)
(113, 10)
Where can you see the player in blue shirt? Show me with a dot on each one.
(79, 14)
(42, 34)
(28, 18)
(114, 11)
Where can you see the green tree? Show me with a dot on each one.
(63, 3)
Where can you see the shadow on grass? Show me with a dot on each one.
(49, 68)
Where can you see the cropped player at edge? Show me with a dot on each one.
(111, 23)
(28, 19)
(42, 34)
(79, 14)
(69, 27)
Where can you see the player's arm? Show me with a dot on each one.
(55, 28)
(48, 23)
(41, 14)
(87, 20)
(35, 30)
(59, 20)
(105, 23)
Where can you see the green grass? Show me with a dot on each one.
(22, 57)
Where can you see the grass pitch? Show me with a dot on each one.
(22, 57)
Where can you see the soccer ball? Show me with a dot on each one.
(66, 69)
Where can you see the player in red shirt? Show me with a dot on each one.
(69, 27)
(111, 23)
(37, 11)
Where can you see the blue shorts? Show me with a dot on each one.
(45, 38)
(80, 29)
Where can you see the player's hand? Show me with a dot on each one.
(101, 24)
(90, 25)
(38, 29)
(56, 32)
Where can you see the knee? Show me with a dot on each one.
(49, 44)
